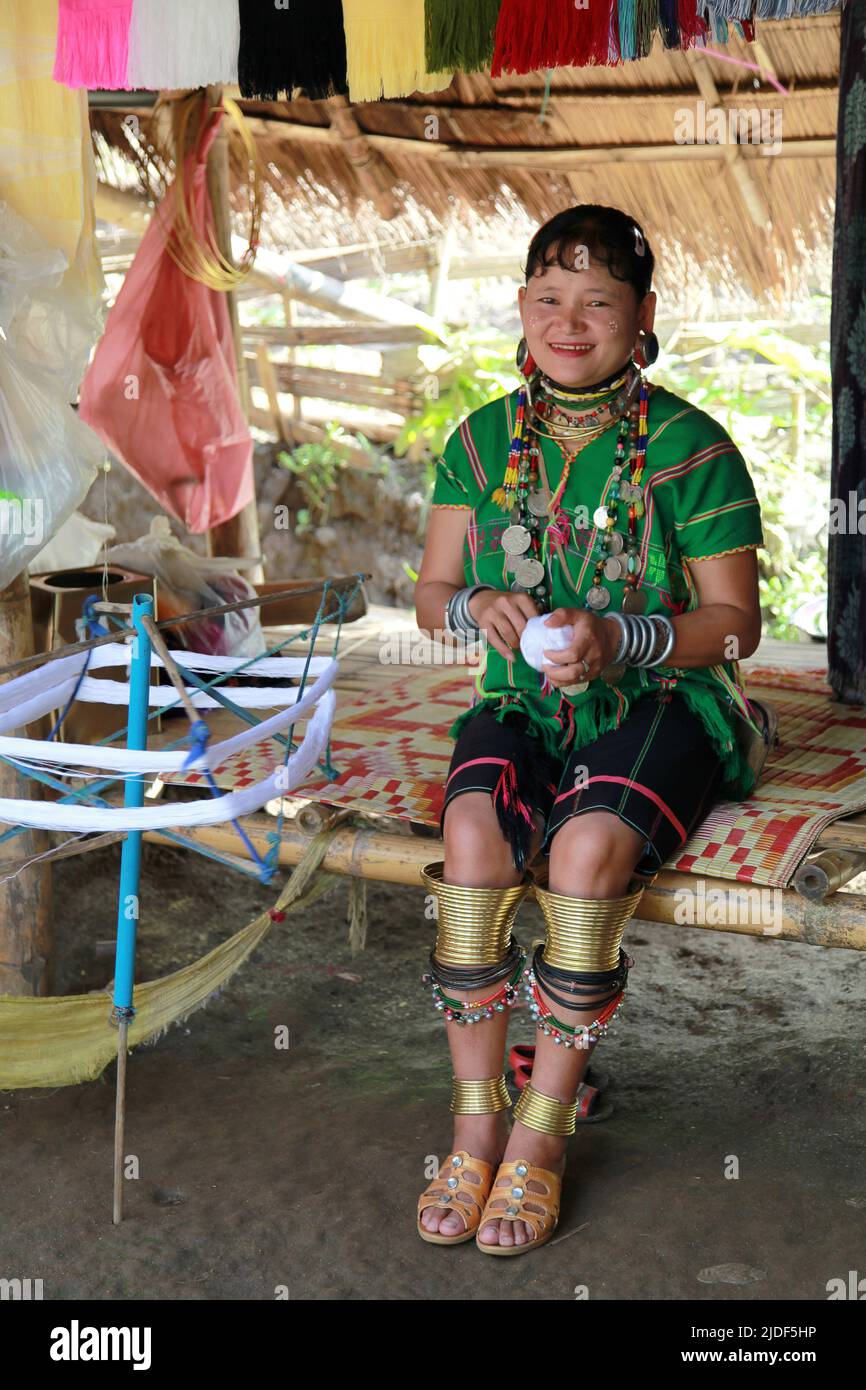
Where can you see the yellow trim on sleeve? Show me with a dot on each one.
(453, 506)
(735, 550)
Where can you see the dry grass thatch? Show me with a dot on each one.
(394, 172)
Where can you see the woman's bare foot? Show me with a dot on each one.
(484, 1137)
(540, 1150)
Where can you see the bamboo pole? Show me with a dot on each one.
(503, 155)
(291, 356)
(373, 174)
(825, 873)
(268, 382)
(752, 911)
(26, 918)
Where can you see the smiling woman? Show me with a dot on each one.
(618, 509)
(583, 327)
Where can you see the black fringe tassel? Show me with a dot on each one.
(516, 796)
(302, 45)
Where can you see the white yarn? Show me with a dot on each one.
(248, 697)
(47, 815)
(183, 43)
(537, 637)
(120, 654)
(49, 686)
(114, 759)
(33, 709)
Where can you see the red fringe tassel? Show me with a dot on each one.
(692, 24)
(534, 34)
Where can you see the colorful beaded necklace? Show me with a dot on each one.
(527, 542)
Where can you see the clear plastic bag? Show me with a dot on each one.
(187, 582)
(48, 457)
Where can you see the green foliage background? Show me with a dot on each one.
(771, 393)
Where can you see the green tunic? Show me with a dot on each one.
(700, 503)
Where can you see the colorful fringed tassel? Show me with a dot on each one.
(93, 44)
(504, 496)
(669, 25)
(693, 26)
(772, 9)
(626, 31)
(518, 792)
(460, 35)
(303, 45)
(647, 23)
(183, 45)
(554, 33)
(385, 46)
(513, 814)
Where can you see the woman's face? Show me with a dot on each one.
(581, 325)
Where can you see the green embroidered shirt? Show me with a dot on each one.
(700, 503)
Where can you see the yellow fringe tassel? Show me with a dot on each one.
(60, 1041)
(385, 50)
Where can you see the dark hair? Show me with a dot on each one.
(608, 234)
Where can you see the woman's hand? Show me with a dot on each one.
(502, 616)
(592, 649)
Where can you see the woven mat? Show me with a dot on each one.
(393, 754)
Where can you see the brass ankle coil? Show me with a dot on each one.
(584, 934)
(545, 1113)
(479, 1097)
(473, 924)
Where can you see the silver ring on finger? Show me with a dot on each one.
(585, 665)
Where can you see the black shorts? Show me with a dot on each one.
(657, 772)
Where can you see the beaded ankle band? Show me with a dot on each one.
(476, 1010)
(479, 1097)
(545, 1113)
(566, 1034)
(572, 989)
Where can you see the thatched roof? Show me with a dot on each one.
(499, 156)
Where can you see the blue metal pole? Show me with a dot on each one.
(130, 858)
(130, 866)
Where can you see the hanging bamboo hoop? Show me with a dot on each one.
(199, 258)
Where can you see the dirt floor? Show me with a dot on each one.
(300, 1168)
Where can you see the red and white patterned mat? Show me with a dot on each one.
(390, 745)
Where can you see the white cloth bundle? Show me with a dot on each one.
(183, 43)
(537, 637)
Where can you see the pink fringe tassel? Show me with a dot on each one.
(93, 44)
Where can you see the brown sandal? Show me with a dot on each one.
(463, 1182)
(539, 1210)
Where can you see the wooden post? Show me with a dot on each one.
(289, 313)
(240, 534)
(26, 926)
(441, 269)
